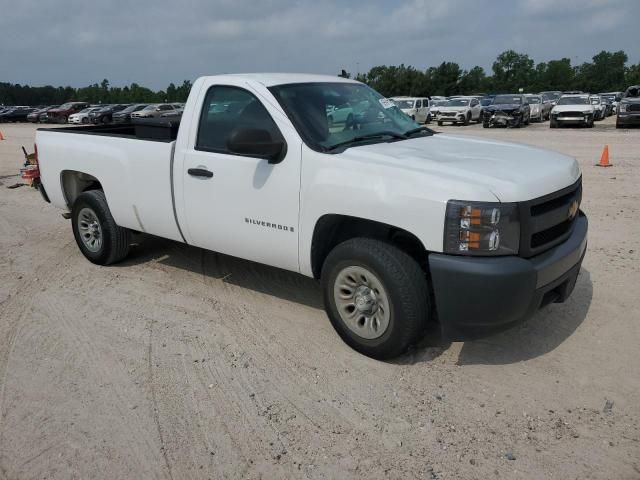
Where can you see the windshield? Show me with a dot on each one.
(371, 115)
(458, 102)
(86, 110)
(439, 103)
(65, 106)
(486, 101)
(406, 104)
(150, 107)
(573, 101)
(595, 101)
(552, 95)
(533, 100)
(507, 100)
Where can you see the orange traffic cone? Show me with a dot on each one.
(604, 159)
(1, 137)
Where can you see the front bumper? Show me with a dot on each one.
(582, 120)
(457, 117)
(628, 118)
(501, 118)
(478, 296)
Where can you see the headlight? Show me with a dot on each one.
(623, 107)
(481, 228)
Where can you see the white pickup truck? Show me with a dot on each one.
(403, 226)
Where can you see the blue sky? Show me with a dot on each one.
(154, 42)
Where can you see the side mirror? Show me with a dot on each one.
(257, 142)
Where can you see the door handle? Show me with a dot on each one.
(200, 172)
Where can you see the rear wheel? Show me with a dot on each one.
(376, 297)
(98, 236)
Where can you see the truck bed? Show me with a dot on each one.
(150, 130)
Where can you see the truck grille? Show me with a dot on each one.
(545, 221)
(634, 107)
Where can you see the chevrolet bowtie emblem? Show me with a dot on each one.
(573, 210)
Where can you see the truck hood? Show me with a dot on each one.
(511, 172)
(504, 107)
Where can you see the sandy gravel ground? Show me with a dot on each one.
(181, 363)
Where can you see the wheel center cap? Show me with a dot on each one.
(365, 300)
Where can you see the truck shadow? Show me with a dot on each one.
(254, 276)
(539, 335)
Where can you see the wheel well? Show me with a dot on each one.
(74, 183)
(332, 230)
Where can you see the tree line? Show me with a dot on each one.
(104, 93)
(607, 72)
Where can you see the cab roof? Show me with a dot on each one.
(272, 79)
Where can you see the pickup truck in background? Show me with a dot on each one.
(402, 226)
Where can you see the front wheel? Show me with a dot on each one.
(376, 297)
(99, 238)
(439, 123)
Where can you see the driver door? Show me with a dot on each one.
(240, 205)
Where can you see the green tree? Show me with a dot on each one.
(554, 75)
(512, 71)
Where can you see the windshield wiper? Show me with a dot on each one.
(371, 136)
(416, 130)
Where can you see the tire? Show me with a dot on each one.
(467, 119)
(439, 123)
(485, 124)
(85, 120)
(401, 286)
(91, 208)
(518, 124)
(553, 124)
(528, 121)
(618, 125)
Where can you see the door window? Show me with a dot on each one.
(226, 109)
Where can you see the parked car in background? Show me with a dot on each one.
(82, 117)
(613, 98)
(61, 114)
(460, 110)
(606, 104)
(17, 114)
(552, 96)
(124, 115)
(573, 110)
(416, 107)
(154, 110)
(485, 102)
(511, 110)
(34, 117)
(629, 108)
(600, 109)
(105, 114)
(540, 107)
(43, 116)
(435, 106)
